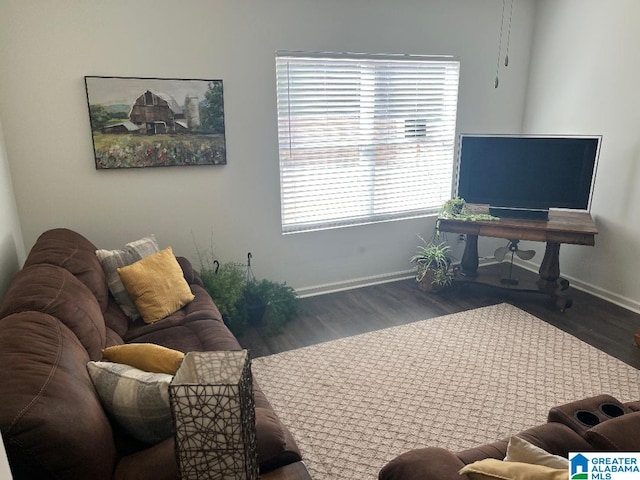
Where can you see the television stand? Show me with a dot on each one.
(563, 226)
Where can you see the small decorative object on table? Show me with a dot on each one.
(214, 416)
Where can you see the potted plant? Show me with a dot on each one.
(454, 207)
(243, 300)
(225, 283)
(433, 265)
(457, 208)
(268, 303)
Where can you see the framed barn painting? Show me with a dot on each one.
(156, 122)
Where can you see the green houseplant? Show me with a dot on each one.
(457, 208)
(433, 265)
(433, 259)
(225, 283)
(269, 304)
(243, 300)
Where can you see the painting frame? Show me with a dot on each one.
(139, 122)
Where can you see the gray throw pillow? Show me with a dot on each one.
(111, 260)
(136, 400)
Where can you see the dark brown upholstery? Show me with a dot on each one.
(49, 289)
(51, 418)
(56, 316)
(71, 251)
(561, 435)
(618, 434)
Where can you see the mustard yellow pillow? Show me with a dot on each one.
(157, 285)
(492, 469)
(145, 356)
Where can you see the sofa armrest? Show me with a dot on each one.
(275, 449)
(154, 463)
(275, 445)
(633, 406)
(190, 275)
(584, 414)
(424, 464)
(620, 434)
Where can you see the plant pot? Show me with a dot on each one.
(427, 284)
(255, 314)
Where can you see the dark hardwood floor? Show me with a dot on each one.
(326, 317)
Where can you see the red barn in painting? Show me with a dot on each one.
(155, 112)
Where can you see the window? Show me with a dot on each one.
(364, 138)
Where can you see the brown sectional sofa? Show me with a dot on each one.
(58, 315)
(599, 423)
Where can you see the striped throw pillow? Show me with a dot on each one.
(111, 260)
(138, 401)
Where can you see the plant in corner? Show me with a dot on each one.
(268, 303)
(225, 283)
(243, 300)
(433, 265)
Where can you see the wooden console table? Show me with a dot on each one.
(563, 226)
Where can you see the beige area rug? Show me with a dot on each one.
(455, 381)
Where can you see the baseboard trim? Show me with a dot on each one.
(354, 283)
(594, 290)
(351, 284)
(363, 282)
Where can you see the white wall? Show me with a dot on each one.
(47, 47)
(11, 245)
(584, 80)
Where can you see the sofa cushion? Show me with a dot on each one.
(157, 285)
(153, 463)
(620, 433)
(73, 252)
(51, 418)
(421, 464)
(552, 437)
(138, 401)
(145, 356)
(53, 290)
(113, 338)
(201, 309)
(111, 260)
(116, 319)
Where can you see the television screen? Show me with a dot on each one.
(527, 172)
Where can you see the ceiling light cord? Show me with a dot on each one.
(497, 82)
(506, 57)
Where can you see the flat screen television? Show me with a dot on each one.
(525, 176)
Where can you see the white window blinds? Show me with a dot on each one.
(364, 138)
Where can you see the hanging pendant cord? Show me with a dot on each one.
(249, 276)
(495, 85)
(506, 57)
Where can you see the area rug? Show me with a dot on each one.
(455, 381)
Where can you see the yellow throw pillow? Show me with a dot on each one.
(492, 469)
(145, 356)
(157, 285)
